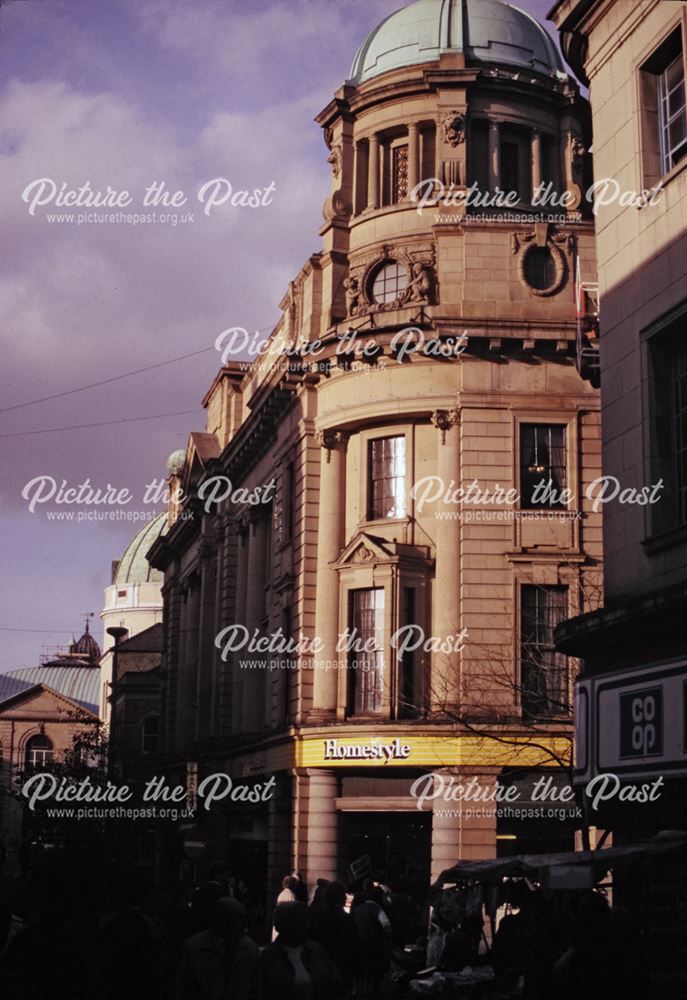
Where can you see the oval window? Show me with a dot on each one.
(540, 269)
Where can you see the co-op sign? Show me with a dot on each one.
(632, 723)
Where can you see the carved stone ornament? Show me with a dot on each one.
(330, 439)
(561, 246)
(334, 159)
(444, 420)
(363, 555)
(452, 126)
(578, 151)
(420, 289)
(337, 206)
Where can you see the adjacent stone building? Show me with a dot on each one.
(428, 347)
(632, 698)
(42, 708)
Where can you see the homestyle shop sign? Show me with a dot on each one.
(395, 750)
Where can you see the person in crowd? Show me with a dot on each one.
(319, 890)
(294, 967)
(177, 917)
(586, 969)
(203, 901)
(373, 932)
(133, 956)
(220, 963)
(300, 890)
(401, 915)
(287, 895)
(334, 929)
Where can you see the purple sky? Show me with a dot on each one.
(125, 93)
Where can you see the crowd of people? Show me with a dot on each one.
(211, 941)
(199, 944)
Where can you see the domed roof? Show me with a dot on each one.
(176, 462)
(485, 30)
(86, 646)
(133, 567)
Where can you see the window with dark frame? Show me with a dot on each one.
(544, 681)
(542, 461)
(664, 108)
(668, 427)
(386, 478)
(399, 173)
(366, 658)
(510, 167)
(39, 750)
(150, 734)
(672, 113)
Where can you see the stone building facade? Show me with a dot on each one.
(634, 649)
(426, 347)
(42, 709)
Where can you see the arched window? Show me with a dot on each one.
(39, 750)
(389, 282)
(150, 733)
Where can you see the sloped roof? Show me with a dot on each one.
(79, 684)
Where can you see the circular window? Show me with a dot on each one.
(389, 283)
(540, 269)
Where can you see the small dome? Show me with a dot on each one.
(176, 463)
(487, 31)
(87, 647)
(133, 567)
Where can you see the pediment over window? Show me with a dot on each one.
(366, 549)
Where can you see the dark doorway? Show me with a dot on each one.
(399, 846)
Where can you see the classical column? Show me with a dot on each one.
(413, 156)
(494, 154)
(317, 790)
(373, 172)
(445, 683)
(254, 679)
(461, 837)
(536, 160)
(330, 540)
(238, 675)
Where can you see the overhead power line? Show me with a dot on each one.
(100, 423)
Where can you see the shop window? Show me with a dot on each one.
(668, 427)
(544, 683)
(542, 461)
(39, 751)
(366, 658)
(386, 478)
(150, 734)
(663, 108)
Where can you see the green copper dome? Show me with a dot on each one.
(487, 31)
(133, 567)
